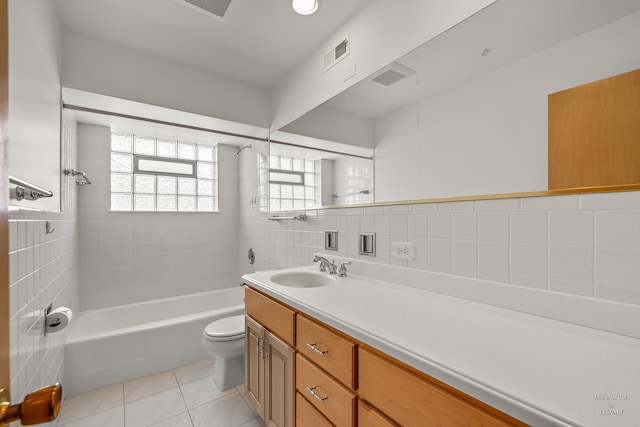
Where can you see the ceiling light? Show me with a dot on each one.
(305, 7)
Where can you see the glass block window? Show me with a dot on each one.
(157, 175)
(292, 183)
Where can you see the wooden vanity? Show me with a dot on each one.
(300, 371)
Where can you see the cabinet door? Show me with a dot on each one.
(254, 366)
(278, 379)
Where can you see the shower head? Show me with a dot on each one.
(239, 150)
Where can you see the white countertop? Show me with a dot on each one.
(544, 372)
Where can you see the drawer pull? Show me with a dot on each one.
(312, 390)
(313, 347)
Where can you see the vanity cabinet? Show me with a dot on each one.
(327, 395)
(331, 379)
(369, 417)
(325, 370)
(269, 362)
(327, 349)
(411, 398)
(307, 415)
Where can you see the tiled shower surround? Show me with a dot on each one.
(128, 257)
(43, 270)
(586, 245)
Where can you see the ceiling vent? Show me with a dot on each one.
(392, 74)
(336, 54)
(215, 7)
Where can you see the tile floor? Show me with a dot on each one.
(182, 397)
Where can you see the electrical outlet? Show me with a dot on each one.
(403, 250)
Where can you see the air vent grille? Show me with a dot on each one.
(392, 74)
(216, 7)
(336, 54)
(389, 77)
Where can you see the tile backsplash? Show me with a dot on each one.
(587, 245)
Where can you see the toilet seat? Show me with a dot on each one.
(225, 329)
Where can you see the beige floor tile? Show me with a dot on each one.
(149, 385)
(91, 403)
(110, 418)
(228, 411)
(202, 391)
(182, 420)
(153, 409)
(196, 371)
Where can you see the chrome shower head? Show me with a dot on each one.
(239, 150)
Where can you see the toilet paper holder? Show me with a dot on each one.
(56, 320)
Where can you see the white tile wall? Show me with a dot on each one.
(587, 245)
(43, 270)
(127, 257)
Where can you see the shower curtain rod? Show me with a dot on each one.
(159, 122)
(321, 149)
(198, 128)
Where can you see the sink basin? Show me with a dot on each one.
(302, 279)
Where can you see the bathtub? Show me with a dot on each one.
(116, 344)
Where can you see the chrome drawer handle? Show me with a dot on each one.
(312, 390)
(313, 347)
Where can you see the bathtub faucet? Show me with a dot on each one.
(325, 265)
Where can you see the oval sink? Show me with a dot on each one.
(302, 279)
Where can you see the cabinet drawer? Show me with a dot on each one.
(274, 316)
(327, 395)
(410, 399)
(327, 349)
(307, 416)
(369, 417)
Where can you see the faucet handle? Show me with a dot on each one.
(342, 272)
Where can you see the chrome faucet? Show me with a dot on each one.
(325, 265)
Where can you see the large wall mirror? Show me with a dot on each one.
(303, 177)
(465, 114)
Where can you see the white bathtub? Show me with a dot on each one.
(116, 344)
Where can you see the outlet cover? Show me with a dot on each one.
(403, 250)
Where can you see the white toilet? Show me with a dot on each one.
(224, 340)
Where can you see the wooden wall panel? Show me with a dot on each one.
(594, 133)
(4, 202)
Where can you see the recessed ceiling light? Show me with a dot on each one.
(305, 7)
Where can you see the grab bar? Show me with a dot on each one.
(301, 217)
(27, 191)
(83, 176)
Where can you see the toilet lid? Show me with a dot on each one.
(225, 329)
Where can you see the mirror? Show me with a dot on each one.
(303, 177)
(465, 115)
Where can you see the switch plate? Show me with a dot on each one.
(403, 250)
